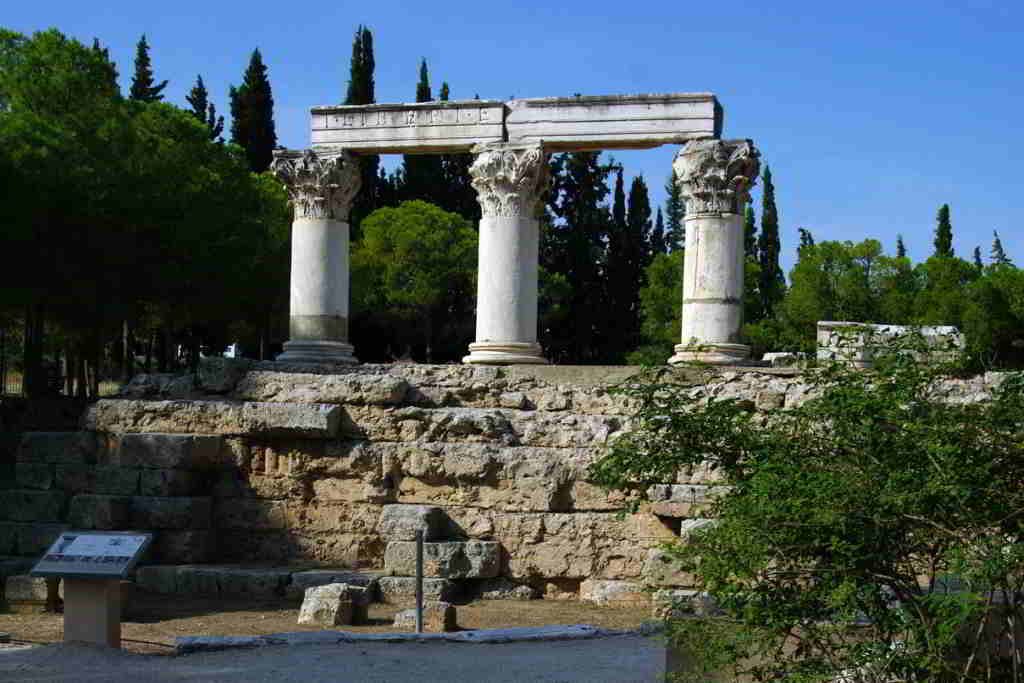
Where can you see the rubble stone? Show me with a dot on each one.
(438, 617)
(605, 592)
(329, 605)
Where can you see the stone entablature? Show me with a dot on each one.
(561, 123)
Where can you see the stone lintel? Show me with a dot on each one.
(561, 123)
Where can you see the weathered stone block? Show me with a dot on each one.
(661, 569)
(33, 506)
(400, 522)
(29, 593)
(501, 588)
(162, 579)
(99, 512)
(220, 375)
(34, 475)
(57, 447)
(263, 583)
(116, 480)
(328, 605)
(312, 420)
(197, 580)
(166, 451)
(606, 592)
(169, 483)
(243, 513)
(170, 513)
(351, 389)
(321, 577)
(77, 478)
(450, 560)
(681, 500)
(402, 589)
(192, 546)
(438, 617)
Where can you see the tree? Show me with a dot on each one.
(750, 233)
(901, 248)
(457, 193)
(839, 551)
(252, 115)
(675, 212)
(362, 90)
(806, 238)
(415, 261)
(658, 244)
(943, 233)
(204, 110)
(144, 89)
(660, 309)
(772, 285)
(422, 173)
(999, 256)
(943, 292)
(978, 265)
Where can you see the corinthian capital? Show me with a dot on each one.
(715, 176)
(509, 179)
(319, 184)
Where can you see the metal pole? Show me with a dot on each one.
(419, 581)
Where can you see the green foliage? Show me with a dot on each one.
(943, 233)
(144, 88)
(252, 115)
(675, 212)
(772, 283)
(998, 255)
(205, 111)
(416, 262)
(750, 234)
(660, 303)
(872, 531)
(361, 90)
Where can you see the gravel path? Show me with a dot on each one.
(619, 659)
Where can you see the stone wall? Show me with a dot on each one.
(276, 464)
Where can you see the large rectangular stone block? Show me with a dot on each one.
(57, 447)
(395, 128)
(75, 478)
(397, 590)
(400, 522)
(616, 121)
(164, 451)
(33, 506)
(99, 512)
(170, 483)
(352, 389)
(170, 513)
(451, 560)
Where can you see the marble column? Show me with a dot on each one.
(510, 180)
(321, 186)
(715, 177)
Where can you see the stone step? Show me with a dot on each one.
(249, 581)
(447, 560)
(66, 448)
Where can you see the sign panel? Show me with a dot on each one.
(93, 554)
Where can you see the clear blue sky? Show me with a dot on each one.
(871, 114)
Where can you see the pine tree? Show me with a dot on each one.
(143, 88)
(999, 256)
(675, 212)
(361, 90)
(658, 245)
(252, 115)
(943, 233)
(204, 110)
(901, 248)
(771, 283)
(750, 234)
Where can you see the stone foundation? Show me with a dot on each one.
(271, 463)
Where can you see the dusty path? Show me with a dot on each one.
(619, 659)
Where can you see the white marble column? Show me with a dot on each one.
(321, 186)
(715, 177)
(510, 180)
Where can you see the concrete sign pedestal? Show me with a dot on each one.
(92, 611)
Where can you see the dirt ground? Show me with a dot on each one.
(154, 621)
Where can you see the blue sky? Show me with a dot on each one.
(871, 114)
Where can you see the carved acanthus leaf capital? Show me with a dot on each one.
(319, 184)
(509, 179)
(715, 176)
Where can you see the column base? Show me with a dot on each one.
(504, 353)
(309, 351)
(714, 353)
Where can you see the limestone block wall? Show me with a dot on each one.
(277, 464)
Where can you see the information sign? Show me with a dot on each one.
(93, 554)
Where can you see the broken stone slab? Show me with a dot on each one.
(402, 589)
(785, 359)
(450, 560)
(321, 577)
(163, 451)
(57, 448)
(502, 588)
(609, 592)
(438, 617)
(400, 522)
(329, 605)
(351, 389)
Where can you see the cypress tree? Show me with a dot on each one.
(977, 259)
(421, 173)
(675, 212)
(999, 256)
(252, 115)
(361, 90)
(456, 193)
(943, 233)
(806, 238)
(423, 86)
(901, 248)
(750, 234)
(658, 235)
(204, 110)
(772, 283)
(143, 88)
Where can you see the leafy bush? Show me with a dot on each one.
(872, 533)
